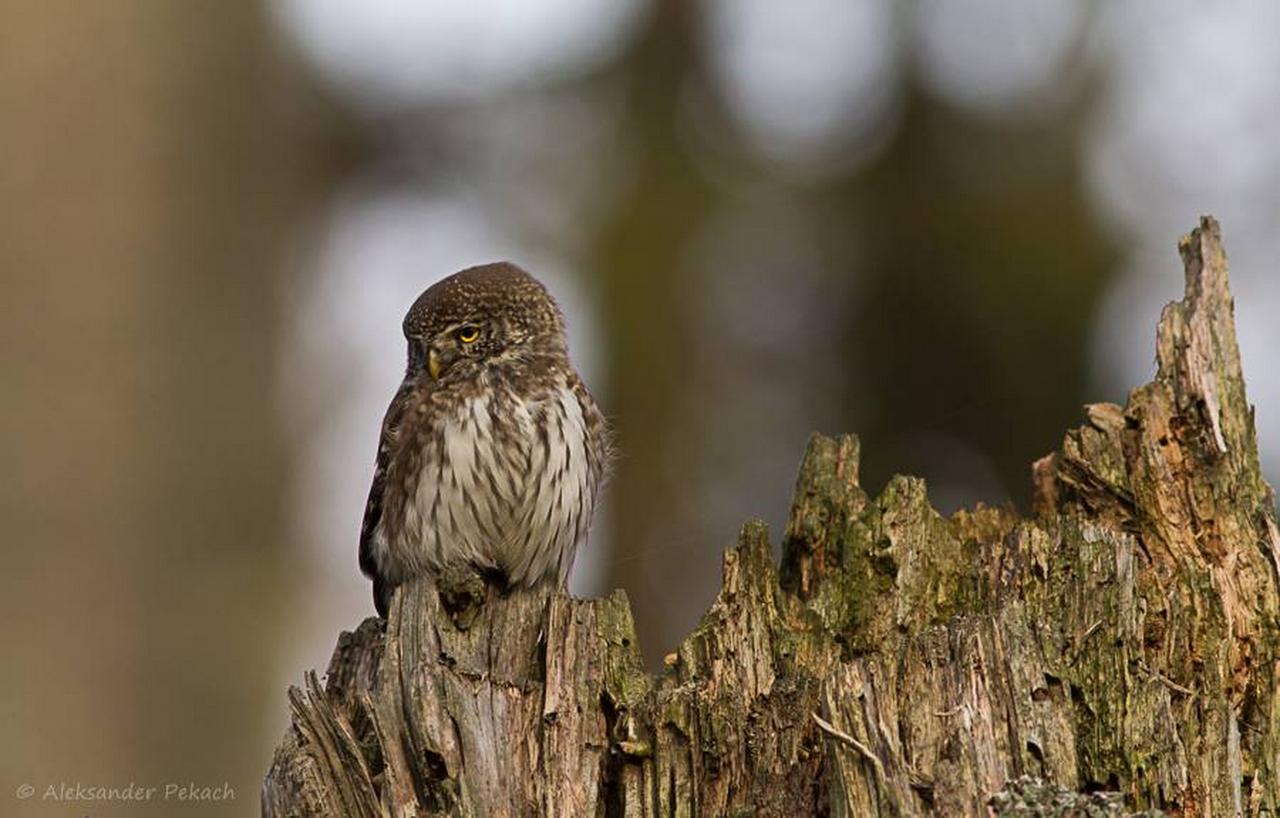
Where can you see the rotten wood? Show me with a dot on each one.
(1117, 651)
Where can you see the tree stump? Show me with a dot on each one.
(1116, 651)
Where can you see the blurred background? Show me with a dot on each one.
(941, 225)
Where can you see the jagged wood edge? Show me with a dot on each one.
(805, 691)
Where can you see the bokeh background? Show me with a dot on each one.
(942, 225)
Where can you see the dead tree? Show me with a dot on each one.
(897, 662)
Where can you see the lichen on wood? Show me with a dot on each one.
(1115, 651)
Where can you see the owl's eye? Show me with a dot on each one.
(469, 334)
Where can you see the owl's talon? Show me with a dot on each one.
(462, 594)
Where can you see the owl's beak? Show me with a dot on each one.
(434, 366)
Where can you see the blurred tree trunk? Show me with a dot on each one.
(898, 663)
(642, 250)
(151, 179)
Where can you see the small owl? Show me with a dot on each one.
(492, 451)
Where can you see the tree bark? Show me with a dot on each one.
(1123, 640)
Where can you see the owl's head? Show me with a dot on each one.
(482, 315)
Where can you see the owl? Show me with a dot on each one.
(492, 452)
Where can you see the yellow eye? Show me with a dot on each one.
(469, 334)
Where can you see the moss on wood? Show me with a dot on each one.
(897, 662)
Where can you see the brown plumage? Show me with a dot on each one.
(493, 451)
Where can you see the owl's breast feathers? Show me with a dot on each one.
(502, 475)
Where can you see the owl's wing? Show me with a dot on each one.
(600, 445)
(373, 506)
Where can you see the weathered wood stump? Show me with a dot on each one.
(898, 662)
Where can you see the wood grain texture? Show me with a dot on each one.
(1117, 651)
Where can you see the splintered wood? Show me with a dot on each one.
(1117, 651)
